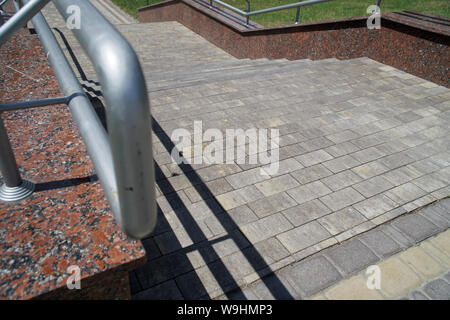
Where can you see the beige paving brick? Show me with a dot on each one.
(354, 288)
(436, 253)
(442, 242)
(319, 297)
(397, 278)
(421, 262)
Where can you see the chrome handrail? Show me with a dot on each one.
(122, 157)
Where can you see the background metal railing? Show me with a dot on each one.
(122, 156)
(247, 14)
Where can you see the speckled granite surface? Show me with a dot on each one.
(67, 221)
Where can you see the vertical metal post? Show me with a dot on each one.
(297, 15)
(13, 188)
(211, 4)
(248, 10)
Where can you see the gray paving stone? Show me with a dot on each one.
(447, 277)
(271, 250)
(371, 169)
(312, 158)
(277, 185)
(432, 214)
(341, 180)
(373, 186)
(250, 193)
(341, 164)
(351, 256)
(342, 220)
(274, 287)
(272, 204)
(343, 136)
(246, 178)
(242, 215)
(424, 166)
(304, 236)
(215, 187)
(202, 281)
(244, 294)
(368, 155)
(288, 166)
(306, 212)
(341, 199)
(266, 228)
(401, 175)
(438, 290)
(415, 227)
(417, 295)
(405, 193)
(311, 174)
(164, 291)
(380, 243)
(375, 206)
(162, 269)
(151, 248)
(341, 149)
(429, 183)
(217, 171)
(312, 275)
(403, 240)
(309, 192)
(316, 144)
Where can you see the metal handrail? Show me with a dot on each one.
(122, 157)
(249, 13)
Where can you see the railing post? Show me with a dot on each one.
(297, 15)
(248, 10)
(13, 188)
(211, 4)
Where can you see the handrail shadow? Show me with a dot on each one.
(276, 287)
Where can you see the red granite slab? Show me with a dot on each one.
(67, 221)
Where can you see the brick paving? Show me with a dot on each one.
(361, 144)
(413, 259)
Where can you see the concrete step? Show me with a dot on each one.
(267, 69)
(204, 69)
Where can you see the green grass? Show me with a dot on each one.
(322, 11)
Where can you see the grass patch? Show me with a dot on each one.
(322, 11)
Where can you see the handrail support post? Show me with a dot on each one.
(248, 11)
(297, 15)
(13, 188)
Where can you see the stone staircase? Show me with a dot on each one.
(361, 143)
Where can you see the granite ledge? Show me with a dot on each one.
(67, 221)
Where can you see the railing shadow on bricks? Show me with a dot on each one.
(220, 272)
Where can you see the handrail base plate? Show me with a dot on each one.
(11, 194)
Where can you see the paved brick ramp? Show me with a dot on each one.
(361, 144)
